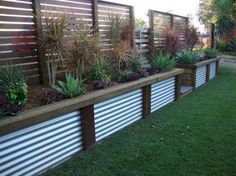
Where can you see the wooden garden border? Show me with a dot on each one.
(85, 103)
(189, 76)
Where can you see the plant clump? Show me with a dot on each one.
(172, 41)
(187, 57)
(100, 72)
(51, 96)
(210, 53)
(13, 89)
(191, 37)
(162, 62)
(72, 87)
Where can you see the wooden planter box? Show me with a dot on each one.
(41, 138)
(197, 74)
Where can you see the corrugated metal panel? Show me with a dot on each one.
(33, 150)
(212, 70)
(162, 93)
(201, 76)
(117, 113)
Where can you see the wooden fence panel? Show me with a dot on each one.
(104, 10)
(17, 37)
(159, 21)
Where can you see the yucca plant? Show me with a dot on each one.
(85, 47)
(71, 87)
(225, 21)
(162, 62)
(53, 42)
(9, 76)
(187, 57)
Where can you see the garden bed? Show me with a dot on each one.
(43, 137)
(197, 74)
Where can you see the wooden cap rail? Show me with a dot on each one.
(43, 113)
(199, 64)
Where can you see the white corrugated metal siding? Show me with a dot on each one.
(32, 150)
(162, 93)
(117, 113)
(201, 76)
(212, 70)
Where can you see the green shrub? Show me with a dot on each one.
(162, 62)
(231, 46)
(100, 69)
(135, 65)
(210, 53)
(13, 85)
(220, 46)
(71, 88)
(17, 94)
(187, 57)
(9, 76)
(124, 76)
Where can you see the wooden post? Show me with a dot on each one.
(38, 26)
(88, 126)
(212, 35)
(177, 86)
(151, 32)
(194, 78)
(171, 20)
(207, 72)
(95, 17)
(146, 100)
(217, 67)
(132, 22)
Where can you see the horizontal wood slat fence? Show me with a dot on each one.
(20, 29)
(159, 21)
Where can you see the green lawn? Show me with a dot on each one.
(195, 136)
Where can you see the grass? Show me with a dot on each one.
(195, 136)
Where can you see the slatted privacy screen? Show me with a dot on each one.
(201, 73)
(162, 93)
(33, 150)
(212, 70)
(117, 113)
(160, 23)
(17, 37)
(142, 46)
(106, 9)
(180, 24)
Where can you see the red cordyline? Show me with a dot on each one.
(191, 37)
(172, 41)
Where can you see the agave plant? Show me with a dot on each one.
(162, 62)
(210, 53)
(71, 87)
(187, 57)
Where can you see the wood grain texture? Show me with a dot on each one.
(40, 114)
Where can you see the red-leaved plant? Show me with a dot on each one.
(172, 41)
(191, 37)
